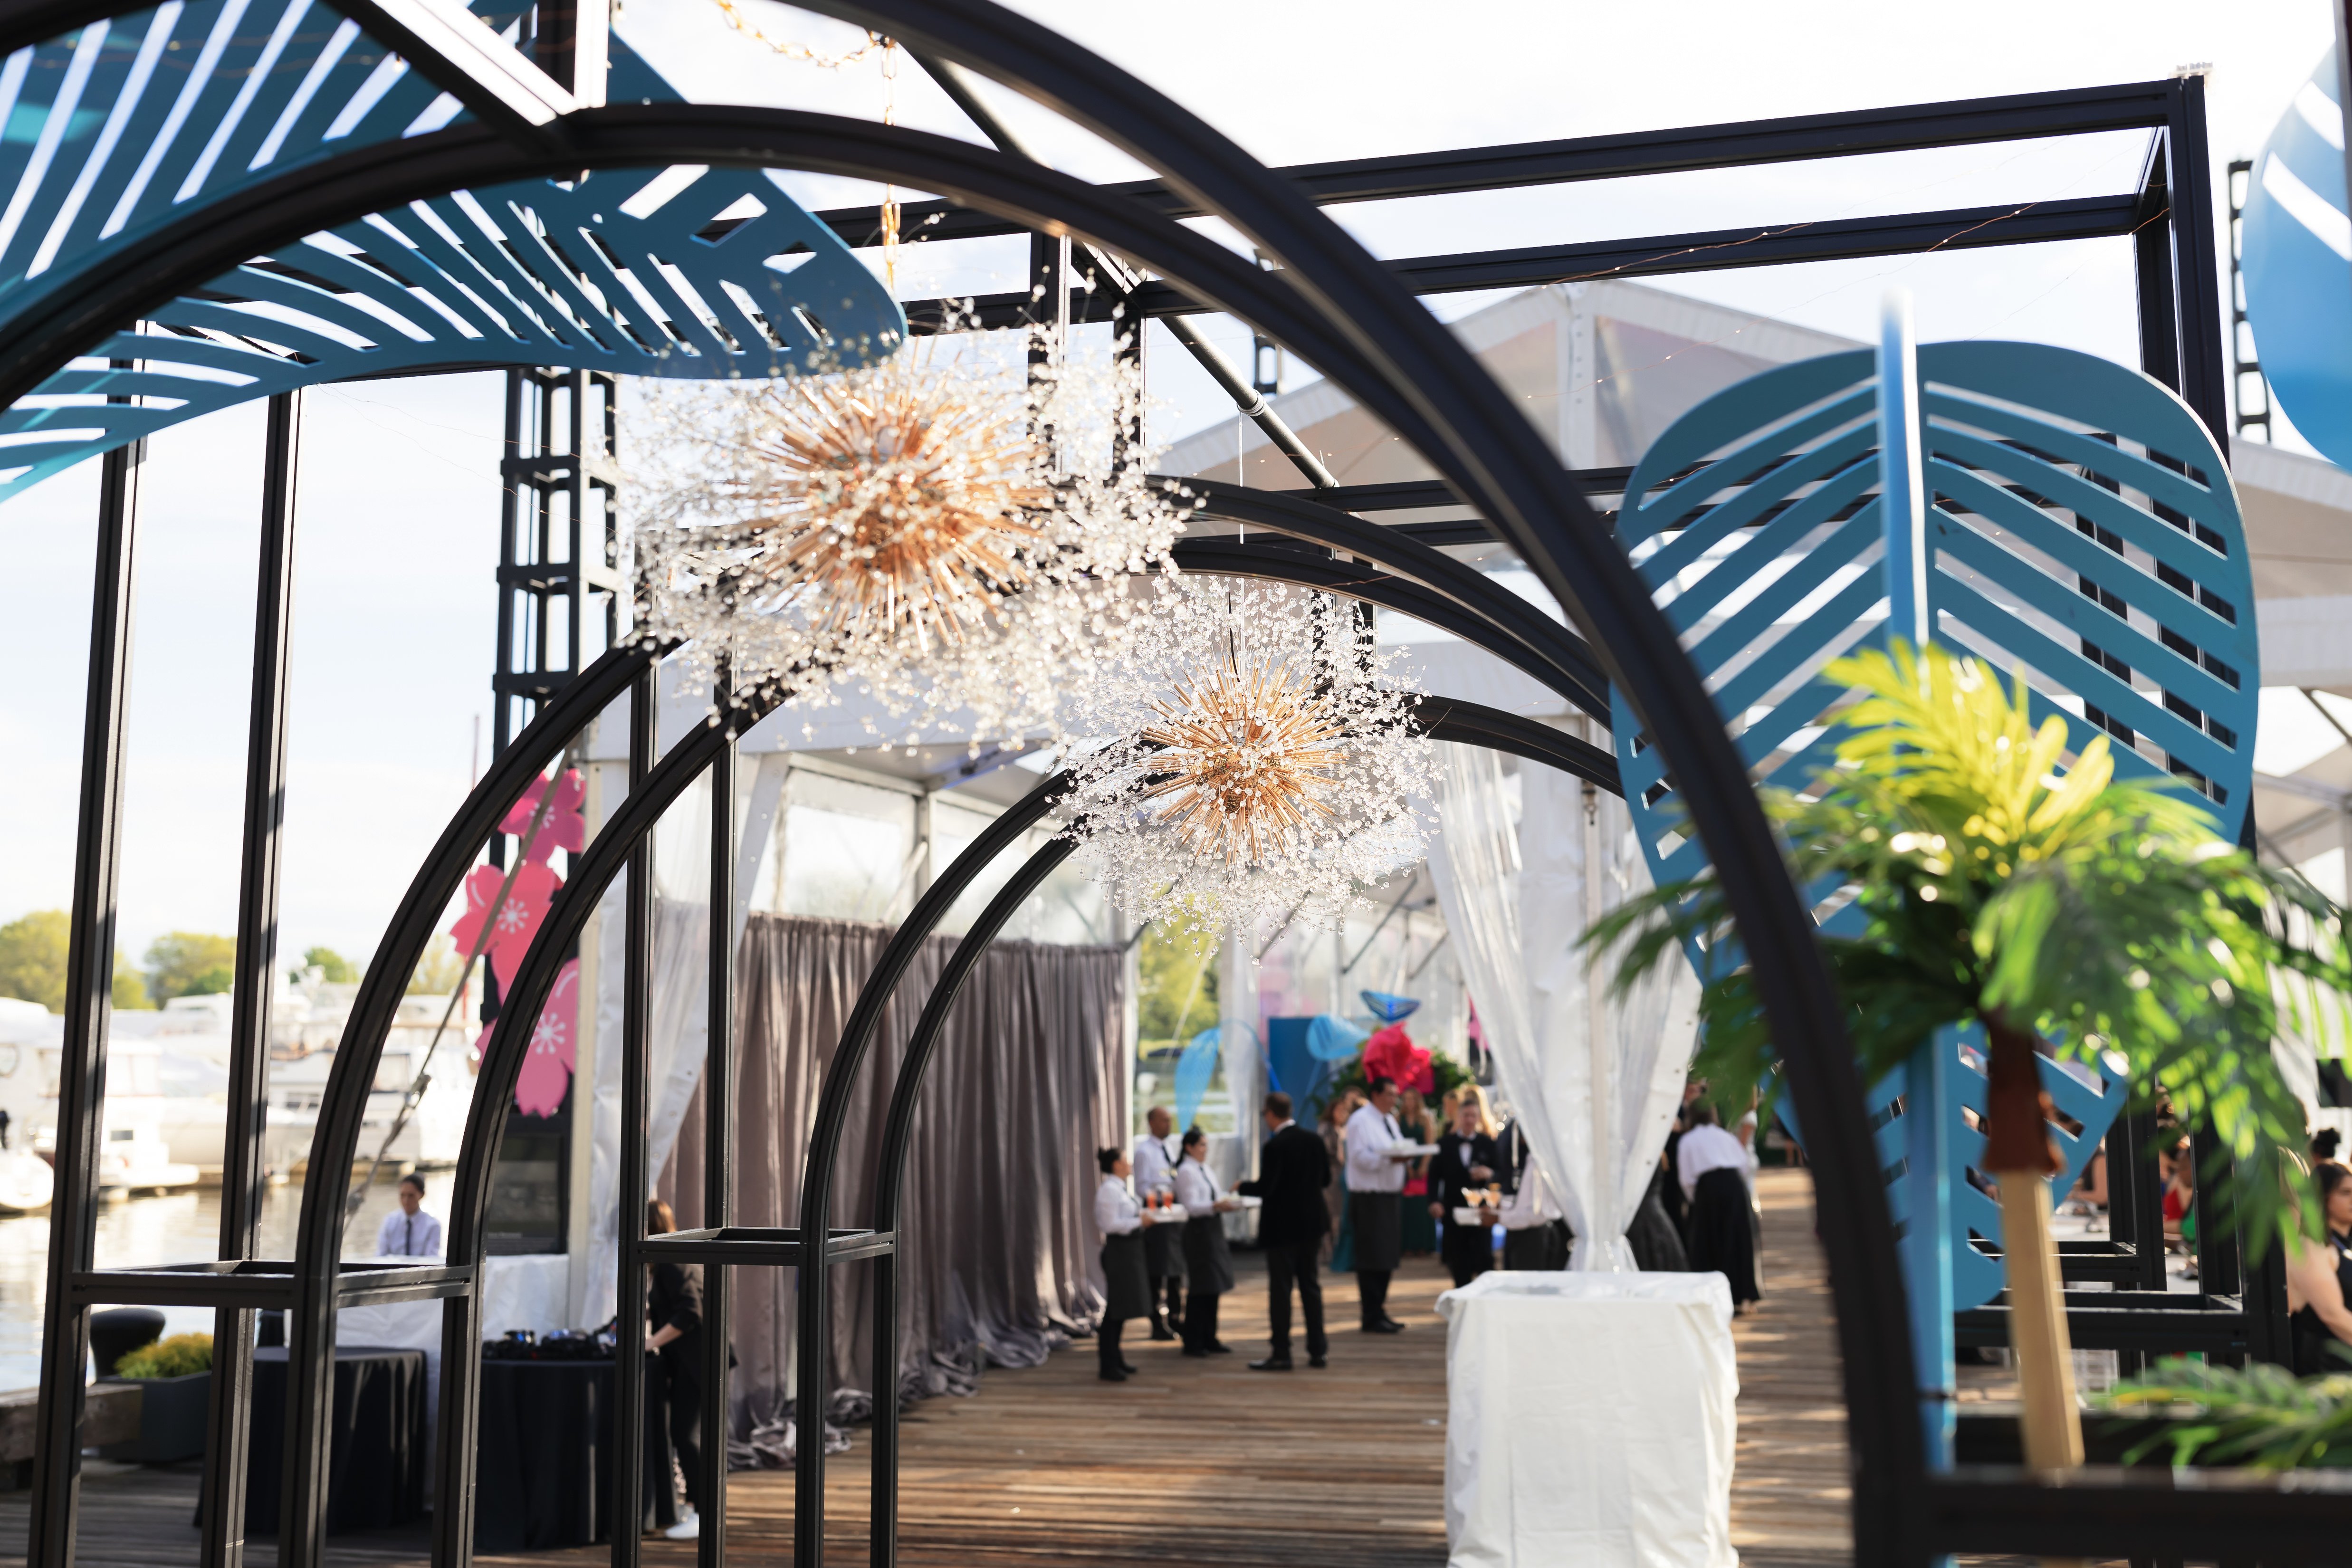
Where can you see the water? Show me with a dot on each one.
(183, 1227)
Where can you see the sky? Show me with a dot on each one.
(395, 612)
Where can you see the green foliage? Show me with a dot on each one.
(1178, 997)
(178, 1356)
(33, 958)
(190, 964)
(2105, 914)
(332, 966)
(441, 971)
(2258, 1416)
(130, 990)
(33, 965)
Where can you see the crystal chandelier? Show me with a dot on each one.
(1268, 760)
(949, 536)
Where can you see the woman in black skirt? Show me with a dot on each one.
(1466, 1161)
(1720, 1237)
(674, 1332)
(1126, 1290)
(1207, 1260)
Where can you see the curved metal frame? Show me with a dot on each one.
(1338, 308)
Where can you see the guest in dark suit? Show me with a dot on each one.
(1465, 1162)
(1294, 1169)
(674, 1320)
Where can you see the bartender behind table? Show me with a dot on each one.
(1157, 1155)
(1376, 1204)
(674, 1332)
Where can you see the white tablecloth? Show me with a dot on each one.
(1591, 1420)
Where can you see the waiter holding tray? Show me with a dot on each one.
(1156, 1155)
(1208, 1264)
(1124, 1224)
(1377, 1154)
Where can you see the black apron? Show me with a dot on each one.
(1207, 1259)
(1163, 1252)
(1721, 1238)
(1378, 1220)
(1126, 1290)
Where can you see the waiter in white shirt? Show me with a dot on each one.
(409, 1232)
(1719, 1236)
(1156, 1155)
(1375, 1202)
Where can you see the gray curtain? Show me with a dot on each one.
(997, 1233)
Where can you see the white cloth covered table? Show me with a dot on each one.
(1591, 1420)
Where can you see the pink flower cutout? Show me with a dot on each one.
(1392, 1054)
(518, 918)
(546, 1066)
(564, 827)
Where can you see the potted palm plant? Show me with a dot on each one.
(2073, 913)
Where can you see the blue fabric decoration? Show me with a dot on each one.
(1388, 1008)
(1331, 1038)
(1194, 1069)
(2297, 261)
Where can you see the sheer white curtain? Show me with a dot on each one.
(1594, 1078)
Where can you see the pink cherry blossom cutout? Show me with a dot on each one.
(519, 917)
(547, 1064)
(563, 828)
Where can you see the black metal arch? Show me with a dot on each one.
(1338, 307)
(1438, 718)
(1375, 341)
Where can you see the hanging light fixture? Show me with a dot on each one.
(949, 536)
(1268, 763)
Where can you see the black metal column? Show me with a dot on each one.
(2158, 303)
(629, 1296)
(245, 1156)
(2196, 264)
(90, 995)
(719, 1153)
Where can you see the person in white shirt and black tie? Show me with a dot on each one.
(1376, 1204)
(1208, 1264)
(1156, 1155)
(409, 1231)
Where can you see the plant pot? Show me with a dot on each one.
(173, 1412)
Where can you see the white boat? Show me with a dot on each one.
(136, 1160)
(26, 1184)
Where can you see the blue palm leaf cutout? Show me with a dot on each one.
(2297, 260)
(2082, 529)
(1194, 1070)
(135, 121)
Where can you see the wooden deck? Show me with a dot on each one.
(1194, 1462)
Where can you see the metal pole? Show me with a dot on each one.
(2197, 265)
(244, 1155)
(636, 999)
(719, 1149)
(90, 992)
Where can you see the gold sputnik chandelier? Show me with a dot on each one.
(1269, 761)
(943, 533)
(1244, 754)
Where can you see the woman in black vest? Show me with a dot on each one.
(1127, 1287)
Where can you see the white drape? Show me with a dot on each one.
(1517, 899)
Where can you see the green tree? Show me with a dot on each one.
(130, 990)
(190, 964)
(1178, 997)
(2102, 915)
(33, 958)
(332, 966)
(440, 971)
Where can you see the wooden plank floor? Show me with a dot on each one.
(1194, 1462)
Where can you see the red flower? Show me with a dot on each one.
(1392, 1054)
(526, 904)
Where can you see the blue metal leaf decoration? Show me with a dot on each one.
(2297, 261)
(2083, 528)
(1194, 1070)
(135, 121)
(1390, 1008)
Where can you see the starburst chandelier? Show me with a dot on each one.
(949, 536)
(1267, 758)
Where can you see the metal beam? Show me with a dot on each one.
(244, 1163)
(455, 50)
(2080, 112)
(1652, 255)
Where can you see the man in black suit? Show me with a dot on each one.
(1294, 1169)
